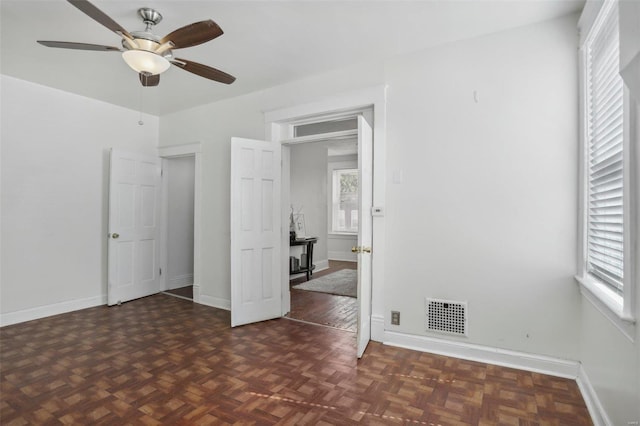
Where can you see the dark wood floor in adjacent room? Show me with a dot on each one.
(186, 292)
(325, 309)
(162, 360)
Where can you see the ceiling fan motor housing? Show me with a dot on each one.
(144, 41)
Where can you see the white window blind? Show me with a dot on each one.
(605, 249)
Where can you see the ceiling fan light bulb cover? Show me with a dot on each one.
(145, 62)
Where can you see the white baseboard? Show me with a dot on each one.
(345, 256)
(321, 265)
(377, 328)
(196, 293)
(53, 309)
(596, 410)
(507, 358)
(180, 281)
(215, 302)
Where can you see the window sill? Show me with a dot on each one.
(342, 235)
(608, 303)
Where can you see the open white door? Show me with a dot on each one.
(134, 231)
(255, 231)
(365, 162)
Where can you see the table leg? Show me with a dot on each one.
(309, 260)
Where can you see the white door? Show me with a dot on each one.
(134, 231)
(255, 231)
(365, 162)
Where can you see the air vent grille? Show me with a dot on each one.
(446, 316)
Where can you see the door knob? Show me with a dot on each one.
(115, 235)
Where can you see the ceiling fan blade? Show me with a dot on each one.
(204, 71)
(78, 46)
(149, 80)
(93, 12)
(193, 35)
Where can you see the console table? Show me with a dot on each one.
(308, 266)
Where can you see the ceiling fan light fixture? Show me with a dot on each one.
(146, 53)
(143, 61)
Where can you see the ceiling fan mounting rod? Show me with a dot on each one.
(149, 16)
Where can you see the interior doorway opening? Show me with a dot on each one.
(284, 133)
(179, 214)
(369, 108)
(323, 194)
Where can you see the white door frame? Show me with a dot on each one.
(278, 127)
(175, 151)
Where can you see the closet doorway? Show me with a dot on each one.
(178, 209)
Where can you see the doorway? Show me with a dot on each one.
(260, 173)
(178, 226)
(323, 193)
(178, 175)
(284, 134)
(186, 163)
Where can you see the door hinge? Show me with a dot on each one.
(161, 172)
(160, 271)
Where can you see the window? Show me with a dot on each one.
(605, 134)
(319, 127)
(607, 130)
(344, 201)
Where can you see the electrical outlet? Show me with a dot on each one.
(395, 318)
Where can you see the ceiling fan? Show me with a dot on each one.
(148, 54)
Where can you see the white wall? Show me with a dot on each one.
(180, 173)
(486, 212)
(309, 192)
(611, 363)
(473, 219)
(54, 195)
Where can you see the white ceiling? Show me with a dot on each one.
(266, 43)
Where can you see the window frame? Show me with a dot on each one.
(620, 309)
(333, 166)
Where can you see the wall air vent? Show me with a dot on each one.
(446, 316)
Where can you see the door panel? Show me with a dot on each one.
(134, 207)
(365, 177)
(255, 231)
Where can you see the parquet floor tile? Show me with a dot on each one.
(166, 361)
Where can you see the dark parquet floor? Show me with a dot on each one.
(325, 309)
(162, 360)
